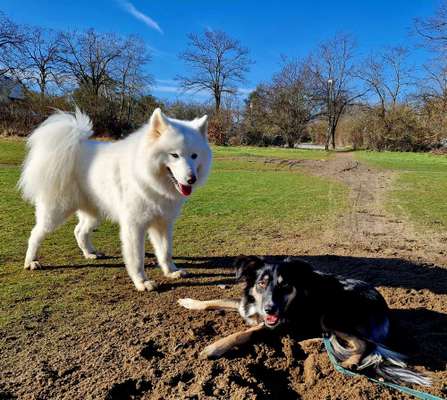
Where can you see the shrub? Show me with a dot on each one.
(400, 129)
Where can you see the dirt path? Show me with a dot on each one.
(148, 348)
(366, 225)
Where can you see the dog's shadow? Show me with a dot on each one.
(390, 272)
(422, 335)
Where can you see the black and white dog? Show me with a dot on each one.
(352, 313)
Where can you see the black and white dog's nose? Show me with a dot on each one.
(191, 180)
(270, 309)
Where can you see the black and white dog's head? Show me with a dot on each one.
(271, 287)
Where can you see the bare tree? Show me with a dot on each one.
(256, 114)
(11, 39)
(131, 78)
(433, 86)
(386, 75)
(38, 61)
(107, 75)
(218, 64)
(333, 68)
(433, 30)
(89, 57)
(292, 102)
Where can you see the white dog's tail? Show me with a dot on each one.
(53, 151)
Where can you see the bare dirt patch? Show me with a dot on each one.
(365, 224)
(148, 348)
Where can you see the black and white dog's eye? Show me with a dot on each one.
(175, 155)
(193, 156)
(262, 284)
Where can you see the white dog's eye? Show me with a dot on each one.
(193, 156)
(175, 155)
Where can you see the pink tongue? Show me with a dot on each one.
(185, 190)
(271, 319)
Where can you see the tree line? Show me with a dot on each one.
(333, 96)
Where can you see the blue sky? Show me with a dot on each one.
(269, 29)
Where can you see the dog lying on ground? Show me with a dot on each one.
(140, 182)
(291, 294)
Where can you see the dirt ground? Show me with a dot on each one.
(150, 350)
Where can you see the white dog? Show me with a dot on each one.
(140, 182)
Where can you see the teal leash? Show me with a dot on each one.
(416, 393)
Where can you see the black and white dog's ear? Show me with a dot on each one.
(298, 270)
(246, 267)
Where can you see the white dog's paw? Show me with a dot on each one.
(33, 265)
(190, 304)
(179, 273)
(94, 256)
(150, 285)
(146, 285)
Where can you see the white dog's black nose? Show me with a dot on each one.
(191, 180)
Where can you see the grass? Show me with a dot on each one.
(248, 206)
(12, 151)
(420, 189)
(269, 152)
(408, 162)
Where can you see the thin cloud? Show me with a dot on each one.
(243, 91)
(166, 86)
(132, 10)
(157, 52)
(171, 86)
(167, 89)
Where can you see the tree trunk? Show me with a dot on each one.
(217, 102)
(333, 128)
(328, 136)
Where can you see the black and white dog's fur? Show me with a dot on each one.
(352, 313)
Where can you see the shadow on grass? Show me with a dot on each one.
(164, 287)
(390, 272)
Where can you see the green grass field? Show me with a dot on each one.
(269, 152)
(420, 190)
(408, 162)
(246, 205)
(12, 151)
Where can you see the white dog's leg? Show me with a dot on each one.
(47, 220)
(160, 234)
(132, 239)
(82, 234)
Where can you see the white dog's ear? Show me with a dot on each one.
(158, 123)
(202, 125)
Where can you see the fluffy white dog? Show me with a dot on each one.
(140, 182)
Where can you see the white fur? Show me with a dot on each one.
(125, 181)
